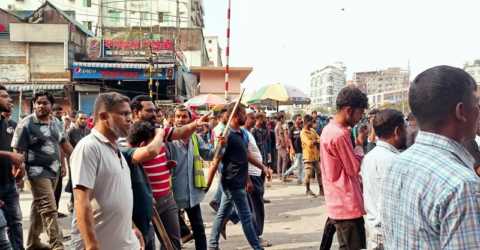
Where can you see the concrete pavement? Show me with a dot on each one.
(293, 221)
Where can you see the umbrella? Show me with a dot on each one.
(207, 100)
(245, 98)
(279, 94)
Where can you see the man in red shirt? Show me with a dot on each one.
(340, 169)
(158, 169)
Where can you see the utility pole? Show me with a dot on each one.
(150, 61)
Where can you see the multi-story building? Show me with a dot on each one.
(392, 97)
(474, 71)
(375, 82)
(100, 16)
(325, 84)
(214, 51)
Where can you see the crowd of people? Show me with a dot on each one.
(413, 178)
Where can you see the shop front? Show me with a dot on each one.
(130, 79)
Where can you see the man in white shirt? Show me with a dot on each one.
(101, 181)
(390, 127)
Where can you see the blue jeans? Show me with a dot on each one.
(237, 199)
(12, 214)
(217, 198)
(4, 244)
(298, 161)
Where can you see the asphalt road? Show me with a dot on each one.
(293, 221)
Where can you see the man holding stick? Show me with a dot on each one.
(234, 179)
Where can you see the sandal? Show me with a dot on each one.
(265, 243)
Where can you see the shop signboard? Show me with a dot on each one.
(80, 72)
(94, 47)
(137, 49)
(28, 32)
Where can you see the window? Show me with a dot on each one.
(87, 25)
(163, 17)
(87, 3)
(114, 17)
(157, 36)
(144, 16)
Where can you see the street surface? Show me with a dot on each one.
(293, 221)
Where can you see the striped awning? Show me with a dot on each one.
(121, 65)
(30, 87)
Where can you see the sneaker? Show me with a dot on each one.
(299, 183)
(215, 206)
(310, 194)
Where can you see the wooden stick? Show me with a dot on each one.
(239, 99)
(163, 234)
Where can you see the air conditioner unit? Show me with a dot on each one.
(11, 7)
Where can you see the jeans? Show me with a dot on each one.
(149, 239)
(238, 199)
(12, 215)
(217, 198)
(4, 244)
(196, 221)
(297, 161)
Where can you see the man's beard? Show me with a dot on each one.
(403, 145)
(116, 130)
(241, 123)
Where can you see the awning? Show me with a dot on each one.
(121, 65)
(29, 87)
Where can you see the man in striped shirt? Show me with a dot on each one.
(430, 193)
(389, 125)
(158, 169)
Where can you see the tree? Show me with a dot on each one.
(466, 64)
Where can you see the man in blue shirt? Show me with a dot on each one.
(431, 194)
(234, 179)
(144, 143)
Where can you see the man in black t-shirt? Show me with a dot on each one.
(296, 151)
(234, 180)
(8, 187)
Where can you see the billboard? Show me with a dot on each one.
(46, 33)
(80, 72)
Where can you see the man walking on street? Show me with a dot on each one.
(340, 168)
(412, 130)
(74, 135)
(431, 192)
(297, 151)
(57, 111)
(311, 156)
(158, 169)
(40, 137)
(101, 177)
(390, 128)
(144, 143)
(218, 131)
(234, 179)
(282, 148)
(188, 180)
(10, 214)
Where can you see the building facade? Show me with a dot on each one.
(325, 84)
(38, 54)
(100, 15)
(392, 97)
(375, 82)
(474, 71)
(214, 51)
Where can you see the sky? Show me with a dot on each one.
(284, 41)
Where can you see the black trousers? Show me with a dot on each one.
(328, 233)
(196, 221)
(58, 190)
(150, 239)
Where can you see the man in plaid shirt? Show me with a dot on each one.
(430, 194)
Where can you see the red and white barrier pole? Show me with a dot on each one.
(227, 51)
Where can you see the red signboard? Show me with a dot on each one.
(135, 45)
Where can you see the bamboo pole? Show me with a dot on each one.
(239, 99)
